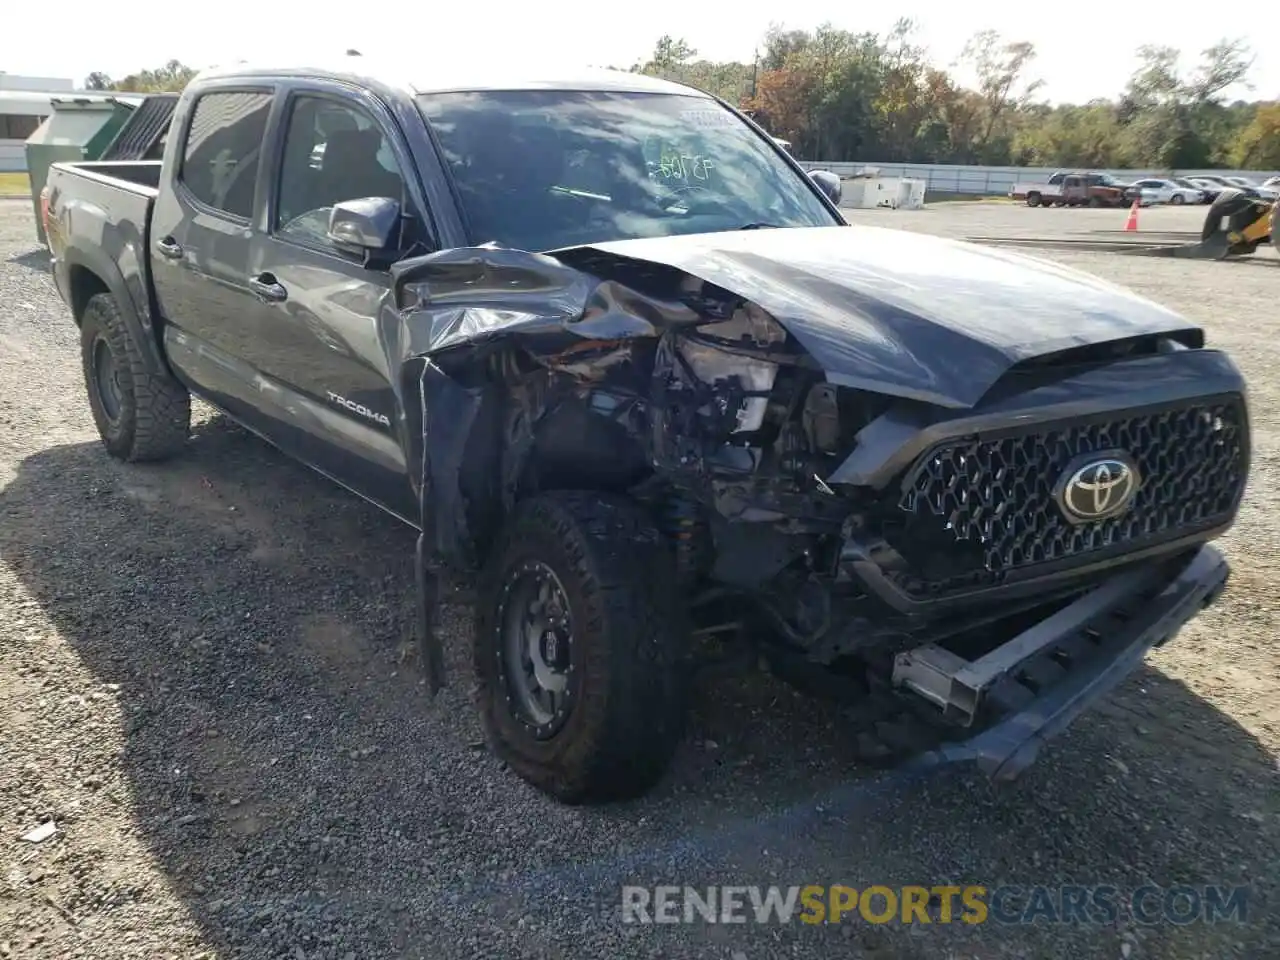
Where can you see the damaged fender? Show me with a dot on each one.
(444, 317)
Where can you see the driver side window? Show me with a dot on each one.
(333, 152)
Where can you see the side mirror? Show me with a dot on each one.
(367, 225)
(828, 183)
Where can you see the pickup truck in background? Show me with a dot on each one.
(621, 363)
(1077, 190)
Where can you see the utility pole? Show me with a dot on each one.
(755, 69)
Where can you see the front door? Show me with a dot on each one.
(316, 317)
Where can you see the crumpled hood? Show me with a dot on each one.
(905, 313)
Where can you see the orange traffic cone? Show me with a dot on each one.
(1132, 223)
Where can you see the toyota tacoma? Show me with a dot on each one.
(622, 363)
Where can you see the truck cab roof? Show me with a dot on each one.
(373, 73)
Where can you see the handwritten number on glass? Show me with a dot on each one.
(683, 166)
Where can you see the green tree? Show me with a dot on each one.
(1002, 67)
(1174, 121)
(170, 78)
(669, 53)
(841, 95)
(672, 59)
(1258, 146)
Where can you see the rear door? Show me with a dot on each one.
(201, 234)
(316, 333)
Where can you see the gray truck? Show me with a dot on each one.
(625, 367)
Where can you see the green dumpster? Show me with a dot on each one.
(79, 128)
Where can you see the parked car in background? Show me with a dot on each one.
(1167, 191)
(1129, 191)
(1244, 183)
(1211, 188)
(1067, 189)
(1272, 182)
(1206, 189)
(1045, 194)
(1221, 182)
(1095, 190)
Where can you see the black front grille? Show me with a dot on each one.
(974, 511)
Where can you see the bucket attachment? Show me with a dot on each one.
(1234, 226)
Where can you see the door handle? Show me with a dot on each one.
(268, 289)
(169, 248)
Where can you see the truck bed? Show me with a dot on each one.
(136, 176)
(99, 222)
(1021, 191)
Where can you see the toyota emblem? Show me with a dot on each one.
(1098, 486)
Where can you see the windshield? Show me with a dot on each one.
(543, 169)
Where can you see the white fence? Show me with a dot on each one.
(998, 181)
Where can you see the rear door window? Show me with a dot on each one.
(223, 148)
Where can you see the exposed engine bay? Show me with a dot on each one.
(851, 519)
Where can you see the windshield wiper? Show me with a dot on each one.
(761, 225)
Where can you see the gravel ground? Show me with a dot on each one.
(209, 691)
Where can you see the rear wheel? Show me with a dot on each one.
(1177, 199)
(1033, 200)
(579, 648)
(140, 415)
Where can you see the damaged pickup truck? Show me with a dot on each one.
(623, 364)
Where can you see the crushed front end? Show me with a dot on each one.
(930, 553)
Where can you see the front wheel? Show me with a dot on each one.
(140, 414)
(1176, 199)
(579, 648)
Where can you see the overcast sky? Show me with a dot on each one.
(70, 38)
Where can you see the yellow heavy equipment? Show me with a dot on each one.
(1237, 224)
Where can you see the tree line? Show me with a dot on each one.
(840, 95)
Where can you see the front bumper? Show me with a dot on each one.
(1013, 741)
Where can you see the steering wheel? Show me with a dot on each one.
(691, 194)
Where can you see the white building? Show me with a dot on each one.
(24, 103)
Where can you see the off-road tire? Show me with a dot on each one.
(629, 678)
(154, 416)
